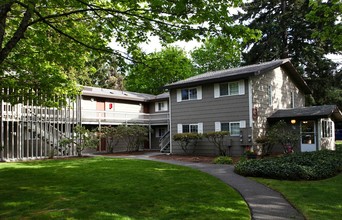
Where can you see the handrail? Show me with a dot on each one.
(164, 141)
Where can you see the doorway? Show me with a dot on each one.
(308, 135)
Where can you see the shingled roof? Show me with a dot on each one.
(118, 94)
(243, 72)
(311, 112)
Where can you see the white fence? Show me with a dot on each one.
(30, 132)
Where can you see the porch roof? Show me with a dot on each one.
(312, 112)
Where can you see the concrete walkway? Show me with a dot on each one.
(263, 202)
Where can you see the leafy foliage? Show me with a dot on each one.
(158, 69)
(217, 54)
(47, 44)
(217, 138)
(223, 160)
(187, 140)
(298, 166)
(133, 136)
(284, 134)
(83, 138)
(113, 135)
(305, 31)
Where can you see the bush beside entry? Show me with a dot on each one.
(297, 166)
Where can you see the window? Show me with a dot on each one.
(292, 100)
(190, 128)
(269, 95)
(229, 89)
(189, 94)
(232, 127)
(161, 106)
(327, 127)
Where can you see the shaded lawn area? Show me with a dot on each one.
(317, 200)
(107, 188)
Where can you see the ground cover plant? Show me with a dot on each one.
(297, 166)
(317, 200)
(108, 188)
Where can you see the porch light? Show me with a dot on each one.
(293, 121)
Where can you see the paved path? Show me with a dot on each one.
(263, 202)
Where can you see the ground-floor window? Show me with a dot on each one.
(232, 127)
(190, 128)
(327, 128)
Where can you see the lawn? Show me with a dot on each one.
(317, 200)
(104, 188)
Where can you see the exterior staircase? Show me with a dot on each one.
(164, 143)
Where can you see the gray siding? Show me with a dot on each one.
(209, 110)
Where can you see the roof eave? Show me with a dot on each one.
(210, 80)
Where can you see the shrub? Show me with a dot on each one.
(223, 160)
(298, 166)
(185, 140)
(217, 137)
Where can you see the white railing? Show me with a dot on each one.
(123, 117)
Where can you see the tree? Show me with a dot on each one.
(103, 72)
(113, 136)
(82, 139)
(45, 44)
(290, 29)
(217, 138)
(217, 54)
(158, 69)
(283, 134)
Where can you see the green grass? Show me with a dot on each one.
(338, 145)
(104, 188)
(317, 200)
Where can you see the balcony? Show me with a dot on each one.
(111, 117)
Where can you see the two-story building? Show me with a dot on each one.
(28, 131)
(242, 101)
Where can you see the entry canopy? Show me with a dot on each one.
(306, 113)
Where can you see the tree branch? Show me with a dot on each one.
(4, 9)
(17, 36)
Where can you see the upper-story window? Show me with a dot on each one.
(229, 88)
(292, 94)
(186, 94)
(161, 106)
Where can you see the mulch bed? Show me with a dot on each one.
(179, 157)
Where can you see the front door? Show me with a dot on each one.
(308, 136)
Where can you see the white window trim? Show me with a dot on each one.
(199, 127)
(199, 94)
(165, 107)
(241, 84)
(218, 125)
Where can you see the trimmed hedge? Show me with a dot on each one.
(298, 166)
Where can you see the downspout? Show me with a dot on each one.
(2, 145)
(250, 106)
(170, 121)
